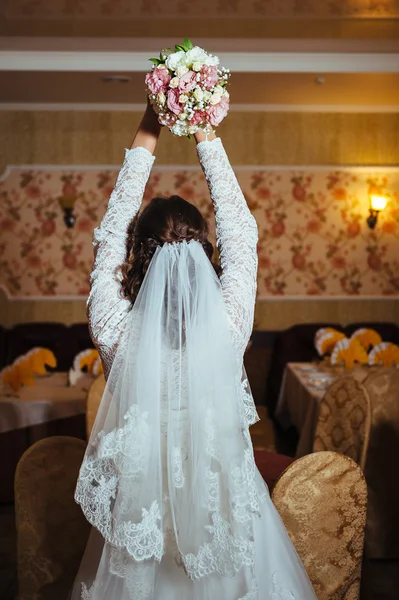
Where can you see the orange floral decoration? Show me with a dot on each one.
(87, 361)
(386, 354)
(23, 370)
(326, 340)
(97, 367)
(349, 352)
(368, 338)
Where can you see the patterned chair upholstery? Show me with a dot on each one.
(93, 402)
(344, 420)
(322, 500)
(382, 531)
(51, 529)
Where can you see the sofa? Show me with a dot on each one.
(265, 360)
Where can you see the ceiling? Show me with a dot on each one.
(56, 52)
(142, 9)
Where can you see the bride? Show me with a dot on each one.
(169, 483)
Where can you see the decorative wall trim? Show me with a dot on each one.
(260, 299)
(244, 62)
(122, 107)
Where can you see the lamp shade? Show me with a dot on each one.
(378, 202)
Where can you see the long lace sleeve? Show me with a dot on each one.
(106, 308)
(237, 237)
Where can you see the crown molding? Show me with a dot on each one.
(122, 107)
(243, 62)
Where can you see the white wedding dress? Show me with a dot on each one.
(150, 539)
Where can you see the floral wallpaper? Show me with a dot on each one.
(313, 236)
(216, 8)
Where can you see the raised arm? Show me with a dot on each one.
(106, 308)
(237, 237)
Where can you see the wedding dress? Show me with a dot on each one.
(169, 483)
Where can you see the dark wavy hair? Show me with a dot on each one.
(164, 220)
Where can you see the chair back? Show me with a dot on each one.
(322, 500)
(344, 420)
(382, 532)
(93, 402)
(51, 529)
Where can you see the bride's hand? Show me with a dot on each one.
(201, 136)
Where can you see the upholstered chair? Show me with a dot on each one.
(93, 402)
(344, 420)
(322, 500)
(51, 529)
(382, 531)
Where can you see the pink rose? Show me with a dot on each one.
(217, 112)
(173, 102)
(187, 82)
(209, 76)
(158, 80)
(198, 117)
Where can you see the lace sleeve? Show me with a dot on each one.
(237, 237)
(106, 308)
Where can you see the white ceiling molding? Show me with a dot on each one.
(151, 46)
(122, 107)
(244, 62)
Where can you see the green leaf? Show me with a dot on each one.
(155, 61)
(179, 48)
(188, 43)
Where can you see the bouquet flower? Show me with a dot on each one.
(187, 89)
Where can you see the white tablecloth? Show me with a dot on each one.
(302, 388)
(50, 398)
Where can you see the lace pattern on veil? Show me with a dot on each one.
(191, 489)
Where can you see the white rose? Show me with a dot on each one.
(179, 128)
(174, 82)
(183, 98)
(175, 59)
(198, 94)
(196, 55)
(197, 66)
(212, 61)
(215, 99)
(226, 94)
(181, 70)
(161, 98)
(218, 90)
(182, 116)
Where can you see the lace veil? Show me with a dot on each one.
(169, 467)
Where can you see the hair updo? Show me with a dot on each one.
(164, 220)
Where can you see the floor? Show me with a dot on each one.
(380, 579)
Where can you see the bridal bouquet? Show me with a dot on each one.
(187, 89)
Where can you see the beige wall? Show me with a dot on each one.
(250, 138)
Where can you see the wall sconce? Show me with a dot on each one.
(67, 204)
(377, 203)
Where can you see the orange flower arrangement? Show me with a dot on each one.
(349, 352)
(23, 370)
(97, 367)
(368, 338)
(386, 354)
(87, 361)
(326, 339)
